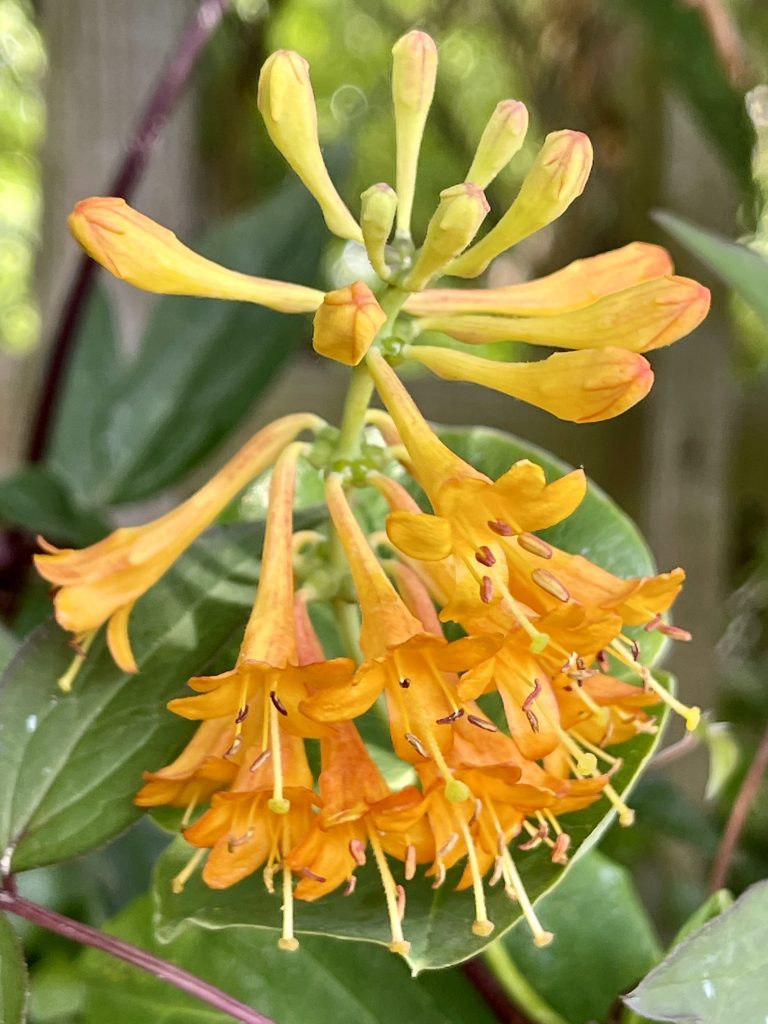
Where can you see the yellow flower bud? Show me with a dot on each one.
(502, 138)
(557, 177)
(346, 323)
(149, 256)
(454, 224)
(287, 104)
(377, 215)
(414, 69)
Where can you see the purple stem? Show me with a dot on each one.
(166, 94)
(169, 972)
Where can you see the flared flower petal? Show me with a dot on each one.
(138, 250)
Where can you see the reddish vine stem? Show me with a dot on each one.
(87, 936)
(169, 89)
(738, 816)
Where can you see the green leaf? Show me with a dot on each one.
(712, 907)
(724, 754)
(604, 943)
(716, 975)
(8, 645)
(742, 269)
(37, 501)
(13, 976)
(76, 452)
(323, 982)
(204, 362)
(72, 762)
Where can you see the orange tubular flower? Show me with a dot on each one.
(101, 583)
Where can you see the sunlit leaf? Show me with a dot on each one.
(13, 976)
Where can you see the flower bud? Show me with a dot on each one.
(414, 69)
(454, 224)
(149, 256)
(346, 323)
(502, 138)
(377, 215)
(287, 104)
(557, 177)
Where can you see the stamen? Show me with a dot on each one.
(237, 742)
(517, 891)
(675, 632)
(537, 838)
(498, 871)
(602, 661)
(179, 881)
(398, 943)
(526, 706)
(410, 862)
(277, 702)
(482, 723)
(351, 885)
(653, 623)
(268, 875)
(481, 925)
(242, 714)
(84, 642)
(486, 590)
(560, 849)
(234, 841)
(477, 811)
(417, 745)
(440, 875)
(405, 683)
(263, 757)
(189, 811)
(634, 646)
(453, 717)
(534, 545)
(548, 581)
(311, 874)
(485, 556)
(446, 848)
(499, 526)
(357, 851)
(400, 901)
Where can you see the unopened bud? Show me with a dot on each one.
(454, 224)
(414, 69)
(377, 215)
(557, 177)
(287, 104)
(346, 323)
(501, 140)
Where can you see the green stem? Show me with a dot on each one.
(355, 407)
(516, 986)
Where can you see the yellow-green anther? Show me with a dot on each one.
(287, 104)
(557, 177)
(377, 215)
(502, 138)
(414, 69)
(454, 224)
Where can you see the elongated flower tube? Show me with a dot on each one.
(378, 206)
(287, 104)
(414, 69)
(454, 224)
(646, 316)
(578, 284)
(502, 138)
(557, 177)
(101, 583)
(138, 250)
(583, 387)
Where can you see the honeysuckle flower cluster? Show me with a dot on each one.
(543, 628)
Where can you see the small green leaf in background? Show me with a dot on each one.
(712, 907)
(739, 267)
(324, 982)
(718, 974)
(604, 942)
(72, 762)
(35, 500)
(13, 976)
(724, 754)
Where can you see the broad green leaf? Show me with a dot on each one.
(712, 907)
(35, 500)
(322, 983)
(72, 762)
(76, 450)
(13, 976)
(742, 269)
(605, 942)
(718, 974)
(204, 362)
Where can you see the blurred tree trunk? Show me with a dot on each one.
(104, 57)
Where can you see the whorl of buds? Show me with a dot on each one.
(346, 323)
(557, 177)
(414, 70)
(454, 224)
(377, 215)
(501, 140)
(287, 104)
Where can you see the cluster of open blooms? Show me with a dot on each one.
(542, 627)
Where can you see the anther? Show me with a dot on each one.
(675, 632)
(400, 901)
(482, 723)
(263, 757)
(237, 742)
(536, 839)
(652, 623)
(179, 881)
(351, 885)
(357, 851)
(499, 526)
(534, 545)
(560, 849)
(453, 717)
(485, 556)
(498, 871)
(279, 706)
(410, 862)
(529, 714)
(486, 590)
(234, 841)
(447, 846)
(602, 661)
(311, 874)
(549, 582)
(417, 745)
(405, 682)
(75, 645)
(269, 879)
(477, 811)
(634, 647)
(440, 875)
(242, 714)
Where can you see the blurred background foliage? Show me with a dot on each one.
(659, 87)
